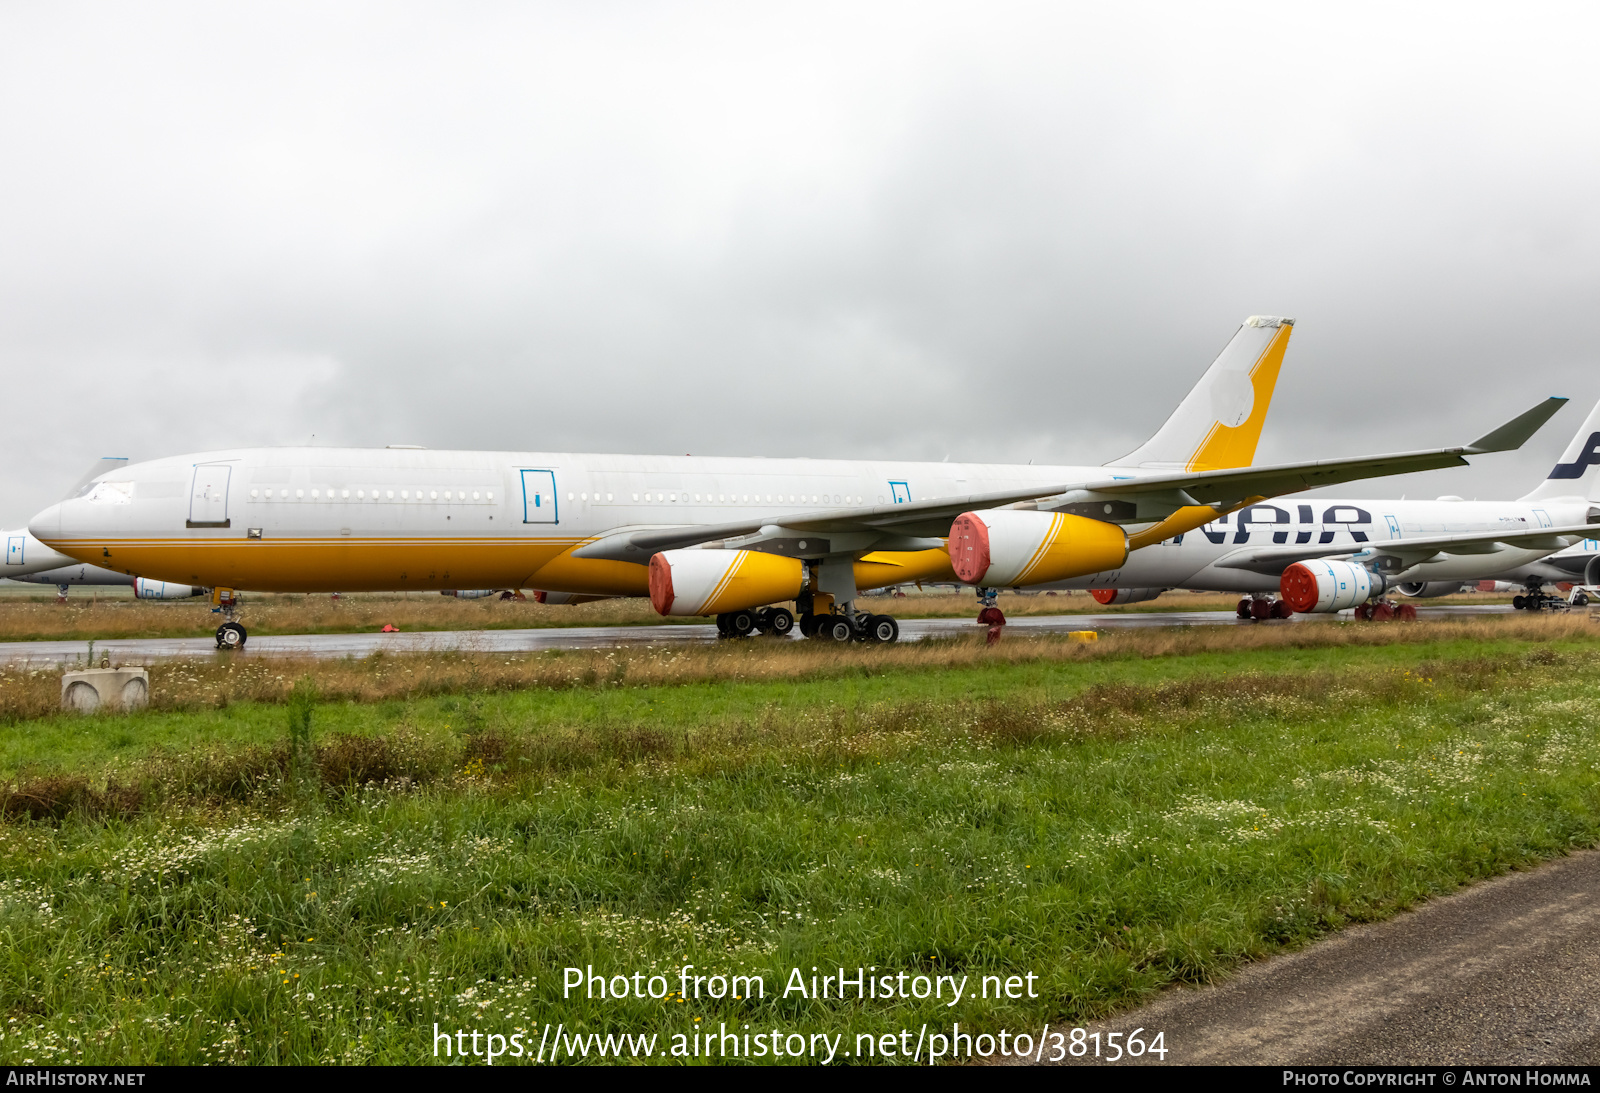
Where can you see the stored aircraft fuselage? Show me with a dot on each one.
(354, 519)
(1198, 558)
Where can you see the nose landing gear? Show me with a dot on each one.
(230, 635)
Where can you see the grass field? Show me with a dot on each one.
(196, 883)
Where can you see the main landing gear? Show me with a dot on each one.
(1385, 611)
(1535, 598)
(880, 629)
(230, 635)
(1260, 608)
(777, 621)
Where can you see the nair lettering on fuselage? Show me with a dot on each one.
(1276, 521)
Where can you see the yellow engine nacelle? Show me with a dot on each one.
(1004, 548)
(709, 582)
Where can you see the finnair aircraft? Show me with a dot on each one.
(717, 536)
(1419, 548)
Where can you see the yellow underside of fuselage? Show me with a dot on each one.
(389, 565)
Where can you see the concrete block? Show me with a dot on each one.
(91, 689)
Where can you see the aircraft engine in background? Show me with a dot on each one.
(1004, 548)
(711, 582)
(163, 590)
(1321, 585)
(1423, 590)
(1110, 596)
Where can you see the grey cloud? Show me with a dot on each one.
(827, 231)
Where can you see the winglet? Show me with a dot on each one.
(1514, 433)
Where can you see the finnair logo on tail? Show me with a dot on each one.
(1588, 458)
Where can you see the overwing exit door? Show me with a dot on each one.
(539, 498)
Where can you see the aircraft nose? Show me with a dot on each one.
(47, 524)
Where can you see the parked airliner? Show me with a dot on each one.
(1417, 547)
(701, 536)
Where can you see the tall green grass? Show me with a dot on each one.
(1111, 827)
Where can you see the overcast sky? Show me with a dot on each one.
(985, 231)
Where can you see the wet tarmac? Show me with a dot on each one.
(144, 650)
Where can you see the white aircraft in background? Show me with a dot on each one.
(29, 561)
(701, 536)
(1330, 555)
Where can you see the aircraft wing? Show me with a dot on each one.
(1222, 489)
(1399, 555)
(913, 518)
(1228, 487)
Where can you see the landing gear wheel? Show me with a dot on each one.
(808, 625)
(1406, 613)
(882, 629)
(835, 628)
(1282, 610)
(779, 622)
(741, 623)
(230, 635)
(1580, 599)
(1518, 603)
(1244, 608)
(1381, 612)
(1364, 611)
(1260, 610)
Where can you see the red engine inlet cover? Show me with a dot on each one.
(1298, 585)
(1103, 595)
(969, 548)
(660, 584)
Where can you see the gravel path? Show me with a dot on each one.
(1506, 972)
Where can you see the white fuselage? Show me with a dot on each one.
(385, 519)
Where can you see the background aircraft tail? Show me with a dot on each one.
(1576, 474)
(1218, 424)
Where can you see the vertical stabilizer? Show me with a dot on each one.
(1218, 424)
(1575, 474)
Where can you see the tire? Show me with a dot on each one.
(741, 623)
(1580, 600)
(780, 622)
(1282, 610)
(808, 625)
(1518, 603)
(1406, 613)
(1381, 612)
(835, 628)
(883, 629)
(230, 635)
(722, 624)
(1244, 608)
(1260, 610)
